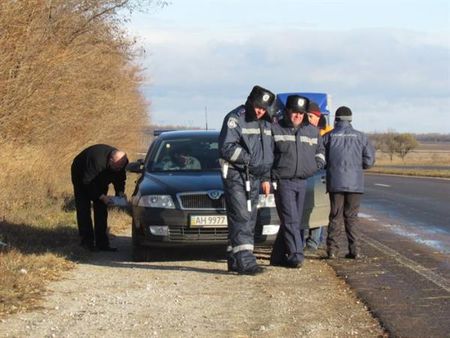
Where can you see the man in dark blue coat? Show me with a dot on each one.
(246, 154)
(348, 153)
(299, 153)
(92, 171)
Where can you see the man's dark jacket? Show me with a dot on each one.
(90, 171)
(299, 152)
(348, 153)
(245, 140)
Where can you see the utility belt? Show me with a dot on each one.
(226, 166)
(247, 179)
(241, 168)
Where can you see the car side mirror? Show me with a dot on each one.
(135, 167)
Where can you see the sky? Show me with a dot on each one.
(387, 60)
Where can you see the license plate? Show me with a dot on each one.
(208, 221)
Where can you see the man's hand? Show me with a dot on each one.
(105, 199)
(265, 188)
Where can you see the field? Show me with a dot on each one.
(429, 159)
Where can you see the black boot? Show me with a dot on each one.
(252, 271)
(246, 263)
(232, 264)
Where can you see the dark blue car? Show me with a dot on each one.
(179, 198)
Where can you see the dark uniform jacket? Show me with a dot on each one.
(299, 153)
(90, 170)
(348, 153)
(241, 143)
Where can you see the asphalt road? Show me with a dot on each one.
(404, 277)
(417, 201)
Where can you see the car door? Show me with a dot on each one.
(317, 204)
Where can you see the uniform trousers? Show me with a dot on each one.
(290, 199)
(241, 222)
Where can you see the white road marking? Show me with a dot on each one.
(424, 272)
(367, 216)
(382, 185)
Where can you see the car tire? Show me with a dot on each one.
(139, 253)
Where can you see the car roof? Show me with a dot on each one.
(187, 133)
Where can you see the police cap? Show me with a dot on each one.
(297, 103)
(261, 97)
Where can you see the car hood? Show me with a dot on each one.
(171, 183)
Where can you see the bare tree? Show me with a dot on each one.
(389, 145)
(404, 144)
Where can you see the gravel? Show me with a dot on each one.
(186, 293)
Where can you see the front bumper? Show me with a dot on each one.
(166, 227)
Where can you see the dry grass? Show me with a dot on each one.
(40, 251)
(66, 82)
(433, 154)
(429, 159)
(411, 172)
(22, 278)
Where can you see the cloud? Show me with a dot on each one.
(377, 72)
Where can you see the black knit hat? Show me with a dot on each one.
(297, 103)
(343, 114)
(261, 97)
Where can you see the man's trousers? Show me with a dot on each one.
(343, 213)
(89, 234)
(241, 222)
(290, 199)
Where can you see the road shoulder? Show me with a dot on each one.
(191, 294)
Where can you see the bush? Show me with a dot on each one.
(66, 82)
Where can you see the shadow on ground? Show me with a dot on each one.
(167, 259)
(60, 239)
(160, 258)
(63, 240)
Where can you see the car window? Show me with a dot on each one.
(187, 154)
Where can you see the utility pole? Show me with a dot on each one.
(206, 117)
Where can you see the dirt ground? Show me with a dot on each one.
(188, 293)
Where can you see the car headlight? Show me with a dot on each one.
(266, 202)
(156, 201)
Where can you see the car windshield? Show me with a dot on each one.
(186, 154)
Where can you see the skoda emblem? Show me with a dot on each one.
(266, 97)
(215, 194)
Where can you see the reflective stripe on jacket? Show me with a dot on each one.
(247, 142)
(348, 153)
(299, 153)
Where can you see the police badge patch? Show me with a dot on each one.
(232, 122)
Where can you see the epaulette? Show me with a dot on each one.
(241, 111)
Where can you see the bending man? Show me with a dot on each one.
(92, 171)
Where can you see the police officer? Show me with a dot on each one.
(246, 153)
(299, 153)
(348, 153)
